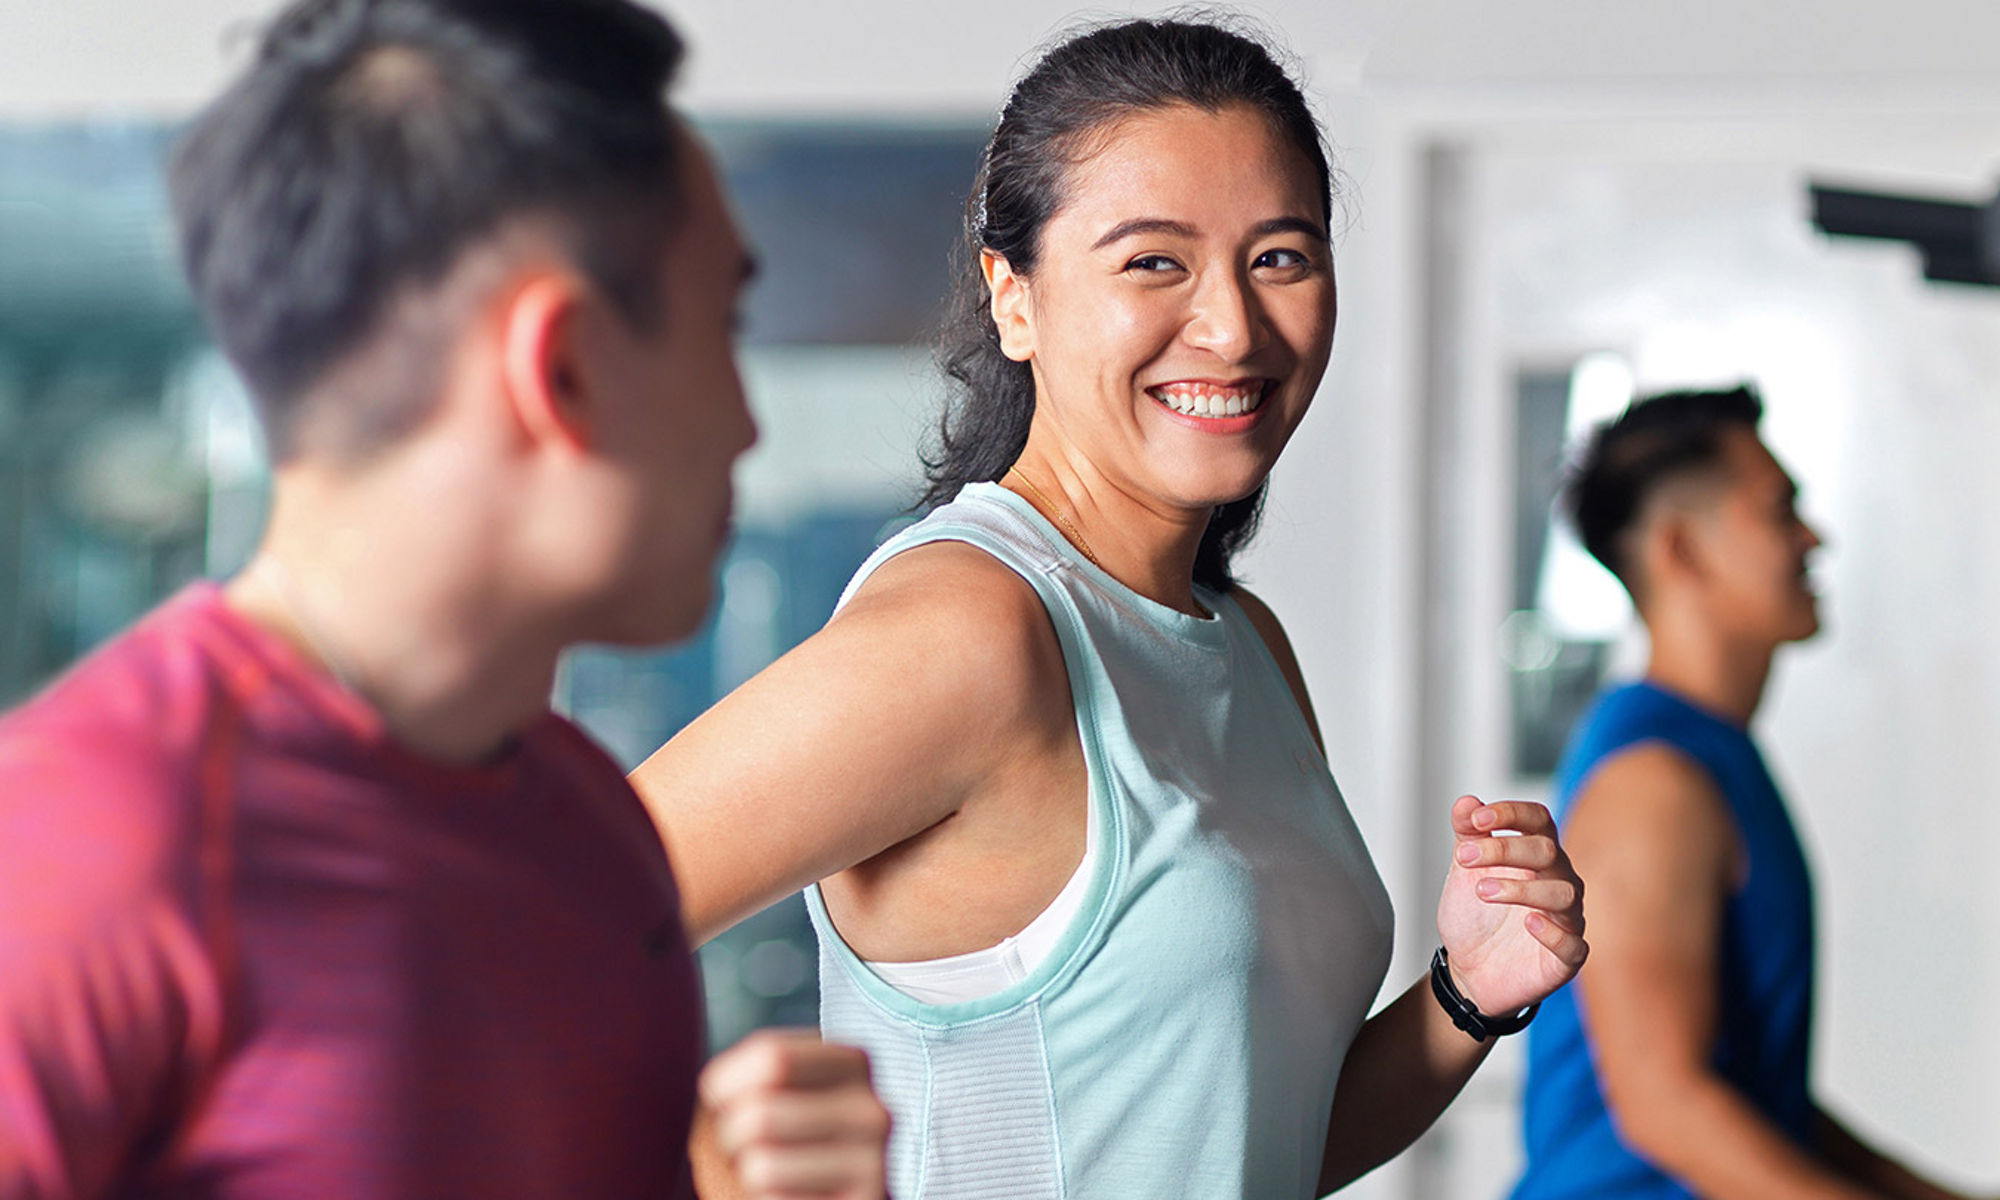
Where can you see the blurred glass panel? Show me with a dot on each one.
(114, 416)
(853, 225)
(1568, 611)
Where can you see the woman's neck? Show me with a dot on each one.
(1146, 547)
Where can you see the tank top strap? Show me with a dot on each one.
(980, 518)
(977, 520)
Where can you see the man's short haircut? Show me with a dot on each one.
(373, 142)
(1656, 441)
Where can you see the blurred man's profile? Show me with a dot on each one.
(304, 891)
(1676, 1065)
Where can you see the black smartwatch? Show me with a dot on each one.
(1464, 1013)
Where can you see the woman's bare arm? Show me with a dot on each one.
(920, 692)
(1409, 1061)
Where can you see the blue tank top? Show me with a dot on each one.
(1765, 984)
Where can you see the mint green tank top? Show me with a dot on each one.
(1183, 1037)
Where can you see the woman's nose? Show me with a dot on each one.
(1225, 319)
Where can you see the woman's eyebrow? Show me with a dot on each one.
(1298, 225)
(1138, 225)
(1125, 229)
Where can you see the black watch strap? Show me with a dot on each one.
(1464, 1013)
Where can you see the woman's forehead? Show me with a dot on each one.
(1183, 161)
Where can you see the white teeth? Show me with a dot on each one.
(1208, 400)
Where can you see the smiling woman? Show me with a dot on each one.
(1084, 885)
(1171, 353)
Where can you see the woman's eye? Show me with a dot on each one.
(1282, 260)
(1152, 263)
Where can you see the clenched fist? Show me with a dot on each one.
(793, 1116)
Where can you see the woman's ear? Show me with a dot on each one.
(1013, 306)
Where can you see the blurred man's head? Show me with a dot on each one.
(480, 216)
(1680, 499)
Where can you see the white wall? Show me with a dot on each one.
(100, 58)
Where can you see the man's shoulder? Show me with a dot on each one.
(1627, 705)
(113, 751)
(565, 760)
(560, 746)
(1635, 733)
(1629, 714)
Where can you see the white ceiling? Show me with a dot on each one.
(952, 58)
(1437, 42)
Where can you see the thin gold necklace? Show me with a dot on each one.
(1069, 527)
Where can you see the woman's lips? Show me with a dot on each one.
(1214, 407)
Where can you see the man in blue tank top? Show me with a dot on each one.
(1676, 1065)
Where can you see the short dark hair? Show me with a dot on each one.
(372, 142)
(1086, 82)
(1657, 440)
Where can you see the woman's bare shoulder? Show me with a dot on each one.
(979, 617)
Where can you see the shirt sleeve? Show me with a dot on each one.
(109, 995)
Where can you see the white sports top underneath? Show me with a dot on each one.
(982, 973)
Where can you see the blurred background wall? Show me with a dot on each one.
(1548, 204)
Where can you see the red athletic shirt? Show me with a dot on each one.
(250, 948)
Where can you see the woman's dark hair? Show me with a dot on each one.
(1085, 82)
(1657, 440)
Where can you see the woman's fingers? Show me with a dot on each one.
(1508, 855)
(1556, 897)
(1519, 816)
(1462, 811)
(1530, 852)
(1566, 946)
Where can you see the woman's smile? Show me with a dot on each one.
(1213, 407)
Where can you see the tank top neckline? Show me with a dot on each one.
(1682, 702)
(1208, 632)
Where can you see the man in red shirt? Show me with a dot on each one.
(304, 892)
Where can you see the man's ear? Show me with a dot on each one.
(1679, 545)
(542, 363)
(1012, 305)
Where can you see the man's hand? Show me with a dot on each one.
(796, 1117)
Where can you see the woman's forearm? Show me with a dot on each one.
(1406, 1064)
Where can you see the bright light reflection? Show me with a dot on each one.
(1580, 600)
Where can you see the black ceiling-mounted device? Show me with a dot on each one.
(1959, 241)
